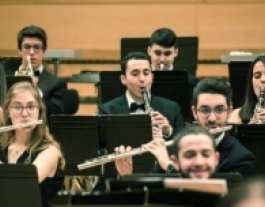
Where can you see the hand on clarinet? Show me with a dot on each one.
(259, 117)
(158, 119)
(124, 166)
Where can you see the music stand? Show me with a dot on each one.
(238, 74)
(19, 186)
(187, 50)
(128, 130)
(78, 137)
(252, 136)
(81, 137)
(172, 85)
(10, 80)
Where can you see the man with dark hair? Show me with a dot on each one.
(211, 108)
(32, 44)
(135, 74)
(163, 49)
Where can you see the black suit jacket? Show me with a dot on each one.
(234, 157)
(169, 109)
(52, 87)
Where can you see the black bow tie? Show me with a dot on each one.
(134, 106)
(37, 73)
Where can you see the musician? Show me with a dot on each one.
(32, 41)
(30, 145)
(195, 154)
(211, 108)
(136, 73)
(163, 49)
(255, 81)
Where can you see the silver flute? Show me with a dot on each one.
(18, 126)
(135, 151)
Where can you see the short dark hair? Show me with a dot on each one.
(189, 130)
(31, 32)
(212, 86)
(251, 99)
(133, 56)
(164, 37)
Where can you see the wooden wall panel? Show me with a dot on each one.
(99, 1)
(231, 26)
(95, 27)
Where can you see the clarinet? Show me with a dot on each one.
(149, 109)
(259, 105)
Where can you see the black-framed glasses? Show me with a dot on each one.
(207, 111)
(18, 109)
(36, 47)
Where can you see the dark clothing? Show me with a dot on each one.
(53, 89)
(192, 81)
(47, 186)
(234, 157)
(169, 109)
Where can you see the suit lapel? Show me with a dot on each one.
(224, 148)
(122, 105)
(44, 81)
(154, 103)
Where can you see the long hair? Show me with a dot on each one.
(41, 139)
(247, 110)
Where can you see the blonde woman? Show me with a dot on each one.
(30, 145)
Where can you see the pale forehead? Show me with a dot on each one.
(23, 96)
(259, 66)
(195, 142)
(138, 64)
(211, 100)
(31, 40)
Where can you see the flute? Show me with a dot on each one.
(18, 126)
(135, 151)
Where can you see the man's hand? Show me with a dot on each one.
(123, 165)
(161, 121)
(158, 148)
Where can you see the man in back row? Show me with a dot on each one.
(211, 108)
(32, 42)
(163, 50)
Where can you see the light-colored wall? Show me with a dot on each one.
(96, 29)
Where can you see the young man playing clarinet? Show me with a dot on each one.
(136, 73)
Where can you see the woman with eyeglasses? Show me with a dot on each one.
(30, 145)
(252, 111)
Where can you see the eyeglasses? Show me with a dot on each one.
(207, 111)
(159, 53)
(18, 109)
(36, 48)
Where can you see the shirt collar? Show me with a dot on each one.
(130, 100)
(219, 138)
(169, 69)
